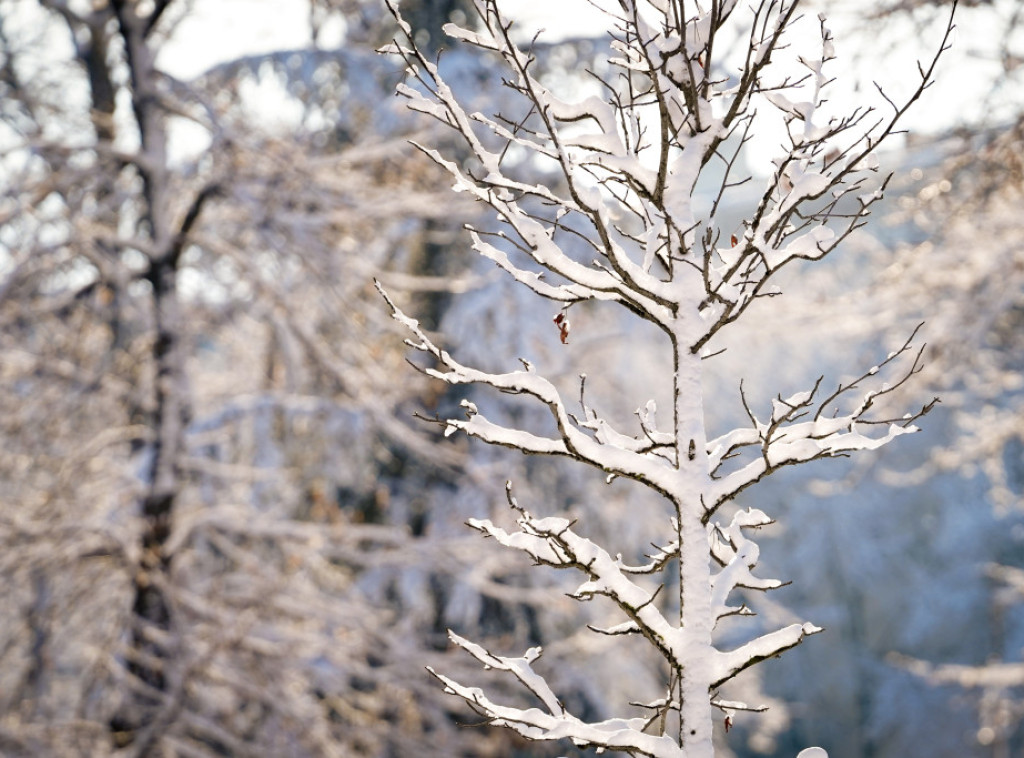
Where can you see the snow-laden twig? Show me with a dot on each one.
(617, 734)
(797, 432)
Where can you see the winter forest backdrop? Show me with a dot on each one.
(222, 530)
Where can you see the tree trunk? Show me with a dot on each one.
(695, 611)
(149, 660)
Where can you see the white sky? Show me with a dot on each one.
(218, 30)
(259, 26)
(221, 30)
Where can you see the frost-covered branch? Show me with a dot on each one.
(603, 450)
(620, 734)
(826, 164)
(792, 435)
(552, 542)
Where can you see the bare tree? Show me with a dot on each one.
(206, 524)
(624, 227)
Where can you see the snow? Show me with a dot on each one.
(739, 555)
(728, 664)
(812, 244)
(591, 108)
(481, 39)
(802, 110)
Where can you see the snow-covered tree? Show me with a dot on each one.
(647, 162)
(210, 534)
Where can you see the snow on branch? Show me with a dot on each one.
(737, 555)
(603, 451)
(792, 435)
(519, 667)
(552, 542)
(729, 664)
(535, 724)
(615, 274)
(817, 196)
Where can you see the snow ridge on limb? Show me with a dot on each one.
(737, 556)
(729, 664)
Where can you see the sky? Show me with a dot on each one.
(265, 25)
(214, 31)
(269, 25)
